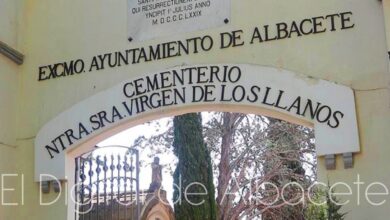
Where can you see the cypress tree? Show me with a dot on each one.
(194, 166)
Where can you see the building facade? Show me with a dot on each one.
(73, 73)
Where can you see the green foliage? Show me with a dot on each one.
(321, 210)
(255, 148)
(333, 208)
(194, 166)
(316, 210)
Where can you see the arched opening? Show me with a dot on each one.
(327, 107)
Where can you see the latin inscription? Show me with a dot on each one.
(149, 19)
(159, 12)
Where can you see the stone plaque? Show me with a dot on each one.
(148, 19)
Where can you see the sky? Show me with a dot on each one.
(127, 137)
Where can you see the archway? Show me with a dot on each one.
(326, 106)
(329, 107)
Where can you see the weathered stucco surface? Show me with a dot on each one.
(50, 31)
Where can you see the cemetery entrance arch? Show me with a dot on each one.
(244, 88)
